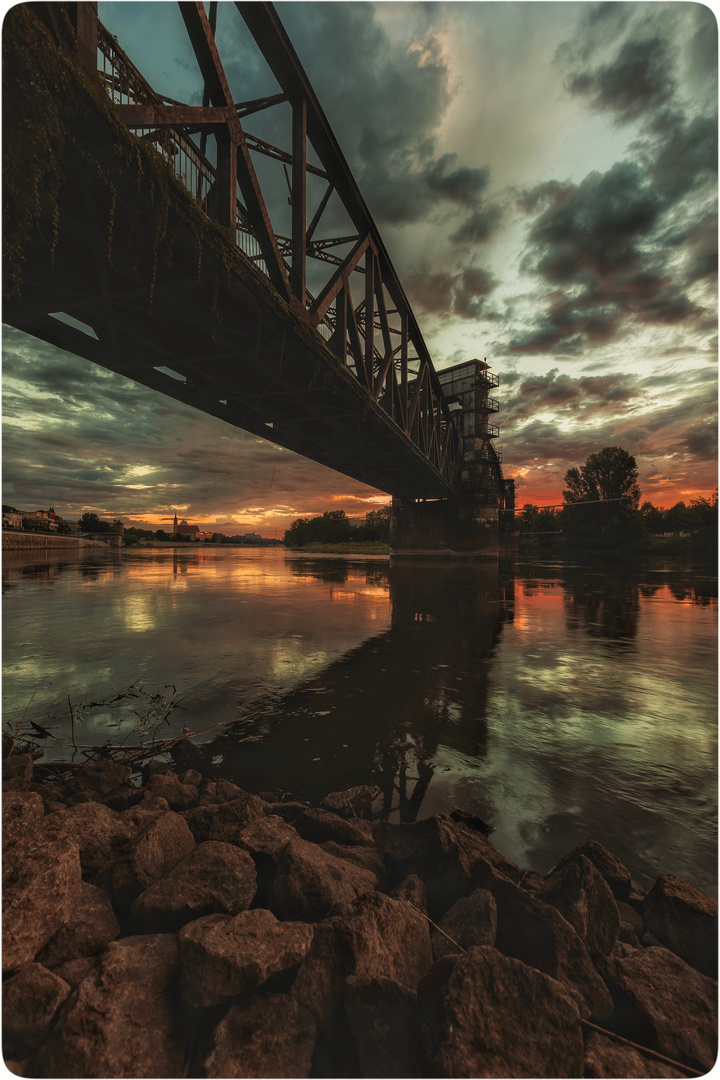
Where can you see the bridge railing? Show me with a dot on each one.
(361, 310)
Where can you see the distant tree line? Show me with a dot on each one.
(133, 535)
(334, 527)
(602, 509)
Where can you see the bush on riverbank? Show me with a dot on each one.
(186, 927)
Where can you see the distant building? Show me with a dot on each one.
(11, 518)
(183, 529)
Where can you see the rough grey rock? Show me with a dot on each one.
(267, 836)
(472, 920)
(223, 821)
(610, 867)
(123, 1019)
(41, 888)
(99, 832)
(485, 1014)
(215, 878)
(374, 936)
(319, 826)
(451, 859)
(143, 813)
(309, 882)
(262, 1035)
(663, 1003)
(167, 786)
(385, 1022)
(584, 898)
(414, 890)
(151, 857)
(74, 971)
(21, 811)
(224, 955)
(355, 802)
(30, 1001)
(18, 767)
(606, 1057)
(685, 920)
(91, 926)
(537, 934)
(102, 776)
(367, 858)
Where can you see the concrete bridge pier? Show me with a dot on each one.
(472, 523)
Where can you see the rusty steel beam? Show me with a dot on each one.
(336, 282)
(299, 198)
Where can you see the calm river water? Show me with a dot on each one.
(558, 702)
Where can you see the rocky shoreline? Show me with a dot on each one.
(185, 927)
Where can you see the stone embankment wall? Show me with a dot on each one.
(18, 541)
(184, 927)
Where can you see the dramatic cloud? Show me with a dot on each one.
(545, 179)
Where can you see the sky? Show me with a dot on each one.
(544, 177)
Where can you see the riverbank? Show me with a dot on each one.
(17, 541)
(368, 547)
(212, 932)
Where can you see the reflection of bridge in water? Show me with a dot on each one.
(158, 253)
(380, 713)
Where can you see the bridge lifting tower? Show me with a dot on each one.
(466, 525)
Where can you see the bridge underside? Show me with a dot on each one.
(121, 247)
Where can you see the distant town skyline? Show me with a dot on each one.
(544, 178)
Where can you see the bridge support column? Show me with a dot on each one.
(465, 525)
(443, 528)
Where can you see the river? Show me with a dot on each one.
(558, 702)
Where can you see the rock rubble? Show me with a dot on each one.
(185, 927)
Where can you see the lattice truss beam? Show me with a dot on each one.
(330, 265)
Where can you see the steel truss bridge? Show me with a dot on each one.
(149, 248)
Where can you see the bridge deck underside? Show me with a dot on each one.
(161, 286)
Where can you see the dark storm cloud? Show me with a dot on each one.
(478, 227)
(599, 245)
(78, 437)
(639, 79)
(624, 247)
(441, 292)
(567, 396)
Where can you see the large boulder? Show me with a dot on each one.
(485, 1014)
(322, 825)
(584, 898)
(537, 934)
(224, 955)
(124, 1019)
(450, 858)
(168, 786)
(354, 802)
(30, 1001)
(41, 889)
(684, 919)
(151, 857)
(143, 813)
(373, 936)
(309, 882)
(214, 879)
(101, 776)
(414, 890)
(663, 1003)
(608, 865)
(384, 1020)
(472, 920)
(262, 1035)
(91, 926)
(100, 833)
(21, 811)
(606, 1057)
(223, 821)
(367, 858)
